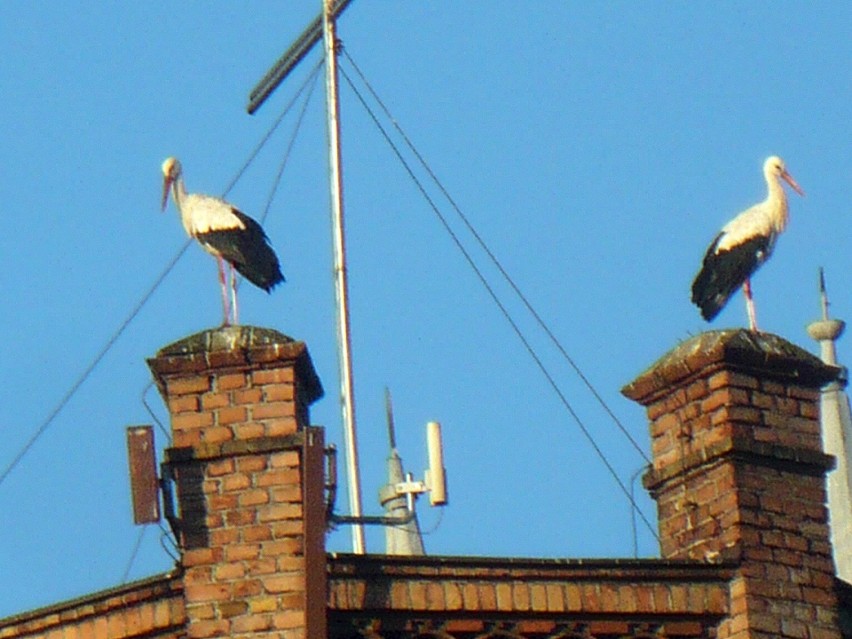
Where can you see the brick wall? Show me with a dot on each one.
(148, 609)
(252, 539)
(739, 474)
(463, 597)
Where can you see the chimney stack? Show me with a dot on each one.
(249, 473)
(738, 474)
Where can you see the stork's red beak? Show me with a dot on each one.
(789, 180)
(167, 183)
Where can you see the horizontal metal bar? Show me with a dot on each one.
(376, 520)
(282, 67)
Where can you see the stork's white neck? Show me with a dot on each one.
(776, 202)
(179, 195)
(179, 191)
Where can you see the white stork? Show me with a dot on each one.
(225, 232)
(742, 246)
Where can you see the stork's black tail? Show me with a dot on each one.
(723, 272)
(260, 264)
(249, 251)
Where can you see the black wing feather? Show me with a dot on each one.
(723, 272)
(248, 249)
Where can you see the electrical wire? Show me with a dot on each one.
(312, 75)
(87, 372)
(166, 535)
(523, 298)
(91, 367)
(133, 554)
(153, 415)
(494, 297)
(275, 183)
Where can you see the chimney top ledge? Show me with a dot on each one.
(225, 338)
(759, 354)
(236, 348)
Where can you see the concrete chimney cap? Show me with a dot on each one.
(225, 338)
(762, 354)
(236, 347)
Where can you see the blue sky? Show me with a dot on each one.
(596, 147)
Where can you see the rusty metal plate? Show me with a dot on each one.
(142, 459)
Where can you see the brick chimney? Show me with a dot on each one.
(739, 474)
(248, 471)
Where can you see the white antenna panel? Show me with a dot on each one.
(436, 479)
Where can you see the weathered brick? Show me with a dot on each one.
(251, 623)
(229, 609)
(273, 376)
(271, 410)
(285, 459)
(216, 435)
(242, 552)
(229, 571)
(231, 415)
(252, 463)
(184, 438)
(211, 401)
(453, 596)
(247, 396)
(253, 497)
(207, 592)
(281, 426)
(265, 603)
(183, 403)
(287, 475)
(236, 481)
(274, 512)
(187, 385)
(262, 566)
(250, 430)
(538, 597)
(188, 421)
(256, 533)
(208, 628)
(220, 467)
(417, 595)
(288, 619)
(284, 583)
(200, 556)
(230, 381)
(247, 588)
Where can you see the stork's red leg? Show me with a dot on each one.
(225, 309)
(234, 294)
(752, 315)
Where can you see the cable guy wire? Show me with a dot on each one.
(503, 310)
(542, 324)
(87, 372)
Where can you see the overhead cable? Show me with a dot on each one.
(87, 372)
(523, 298)
(494, 297)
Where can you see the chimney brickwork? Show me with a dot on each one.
(248, 471)
(738, 474)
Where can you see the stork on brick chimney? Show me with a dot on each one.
(837, 438)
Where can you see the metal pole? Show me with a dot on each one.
(341, 289)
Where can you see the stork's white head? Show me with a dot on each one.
(774, 167)
(171, 172)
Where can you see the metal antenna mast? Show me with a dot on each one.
(341, 286)
(260, 93)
